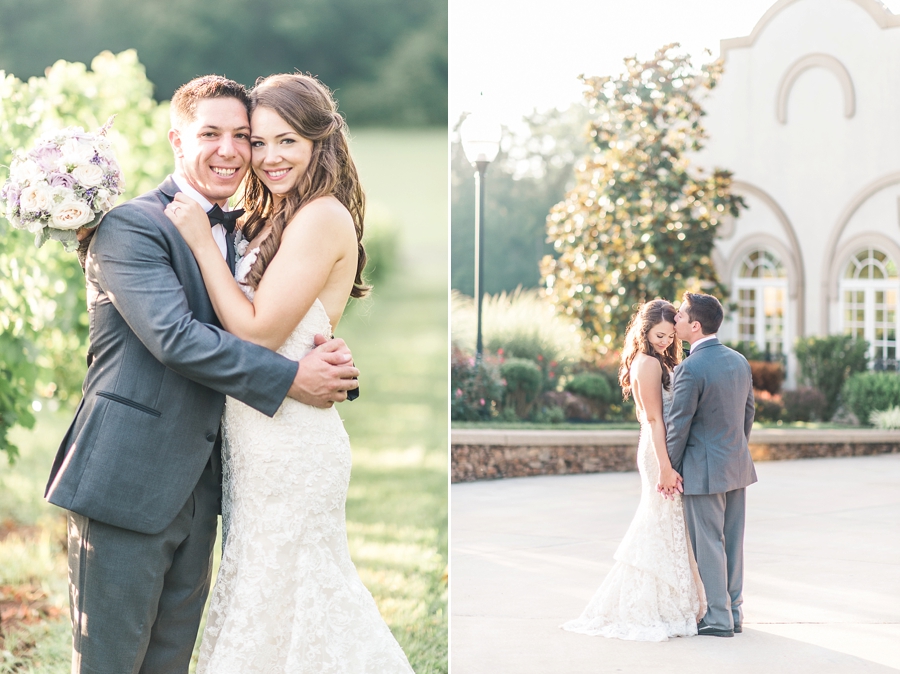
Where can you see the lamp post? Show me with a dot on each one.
(480, 137)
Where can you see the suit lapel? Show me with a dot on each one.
(169, 188)
(229, 250)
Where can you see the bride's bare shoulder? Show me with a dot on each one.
(325, 219)
(644, 366)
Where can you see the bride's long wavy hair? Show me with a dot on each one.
(649, 314)
(309, 108)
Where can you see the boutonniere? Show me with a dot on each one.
(240, 243)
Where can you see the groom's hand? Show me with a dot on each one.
(669, 483)
(325, 374)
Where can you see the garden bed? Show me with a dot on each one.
(492, 453)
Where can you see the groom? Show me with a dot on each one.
(707, 432)
(139, 470)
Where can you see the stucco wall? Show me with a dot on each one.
(835, 179)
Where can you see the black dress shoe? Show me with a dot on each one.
(738, 629)
(705, 630)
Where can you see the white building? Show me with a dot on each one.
(806, 116)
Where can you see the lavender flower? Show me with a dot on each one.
(62, 180)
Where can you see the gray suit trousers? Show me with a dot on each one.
(716, 525)
(136, 597)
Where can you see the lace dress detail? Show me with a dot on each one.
(288, 599)
(653, 591)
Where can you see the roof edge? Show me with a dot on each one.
(879, 13)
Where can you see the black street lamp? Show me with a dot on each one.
(480, 137)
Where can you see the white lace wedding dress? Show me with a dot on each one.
(288, 599)
(653, 591)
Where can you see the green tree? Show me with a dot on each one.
(43, 317)
(640, 222)
(386, 59)
(529, 176)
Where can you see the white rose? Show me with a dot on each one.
(103, 200)
(36, 198)
(71, 214)
(76, 152)
(105, 151)
(33, 226)
(26, 171)
(60, 193)
(89, 175)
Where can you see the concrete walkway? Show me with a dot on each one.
(821, 588)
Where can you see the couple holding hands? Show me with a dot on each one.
(679, 570)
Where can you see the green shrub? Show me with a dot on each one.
(827, 362)
(591, 385)
(524, 381)
(43, 315)
(476, 388)
(804, 404)
(550, 415)
(868, 392)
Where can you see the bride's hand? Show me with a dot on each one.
(670, 482)
(190, 220)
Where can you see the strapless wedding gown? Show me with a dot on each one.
(653, 591)
(288, 599)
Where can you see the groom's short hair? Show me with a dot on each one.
(183, 108)
(706, 310)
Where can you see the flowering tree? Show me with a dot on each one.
(43, 318)
(640, 222)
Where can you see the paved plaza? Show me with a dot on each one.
(821, 587)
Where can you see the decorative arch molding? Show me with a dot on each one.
(851, 248)
(805, 63)
(769, 242)
(793, 257)
(829, 291)
(879, 13)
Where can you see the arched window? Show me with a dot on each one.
(761, 292)
(869, 293)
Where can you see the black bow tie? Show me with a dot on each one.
(219, 217)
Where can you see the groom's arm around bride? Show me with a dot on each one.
(139, 469)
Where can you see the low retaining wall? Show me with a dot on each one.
(492, 454)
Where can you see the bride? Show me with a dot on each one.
(287, 597)
(653, 591)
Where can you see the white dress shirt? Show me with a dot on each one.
(701, 340)
(218, 231)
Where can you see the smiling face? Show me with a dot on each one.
(212, 152)
(281, 156)
(661, 336)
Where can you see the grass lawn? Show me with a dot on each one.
(397, 503)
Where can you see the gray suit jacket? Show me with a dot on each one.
(161, 367)
(710, 419)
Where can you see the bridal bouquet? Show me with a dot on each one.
(70, 179)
